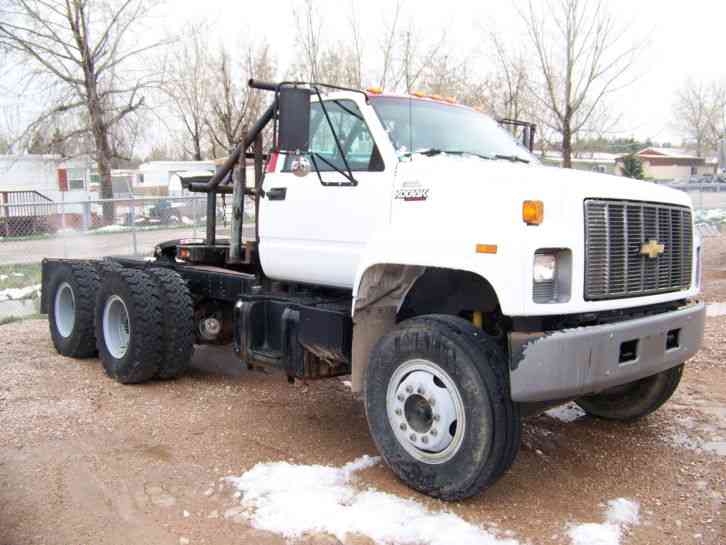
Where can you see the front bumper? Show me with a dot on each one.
(570, 363)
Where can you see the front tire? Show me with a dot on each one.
(129, 325)
(635, 399)
(438, 406)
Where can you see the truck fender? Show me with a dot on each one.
(378, 295)
(390, 292)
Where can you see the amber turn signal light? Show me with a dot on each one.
(533, 212)
(486, 248)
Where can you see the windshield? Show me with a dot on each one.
(424, 126)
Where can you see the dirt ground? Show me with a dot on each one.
(86, 460)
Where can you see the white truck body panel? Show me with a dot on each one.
(332, 235)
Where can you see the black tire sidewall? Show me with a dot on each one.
(178, 322)
(464, 469)
(644, 397)
(139, 363)
(74, 344)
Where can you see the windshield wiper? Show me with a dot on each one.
(513, 158)
(430, 152)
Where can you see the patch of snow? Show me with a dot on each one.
(621, 514)
(716, 309)
(292, 500)
(3, 277)
(13, 294)
(681, 439)
(717, 447)
(111, 229)
(566, 413)
(18, 275)
(187, 221)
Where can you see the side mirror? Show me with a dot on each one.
(294, 119)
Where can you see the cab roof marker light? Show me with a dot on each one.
(419, 94)
(375, 90)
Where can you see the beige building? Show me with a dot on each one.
(670, 163)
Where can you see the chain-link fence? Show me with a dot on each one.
(709, 202)
(31, 231)
(36, 228)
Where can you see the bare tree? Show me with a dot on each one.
(388, 44)
(356, 53)
(583, 56)
(308, 39)
(399, 59)
(233, 106)
(87, 56)
(419, 61)
(700, 113)
(338, 63)
(188, 88)
(509, 85)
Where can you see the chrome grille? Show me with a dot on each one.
(615, 232)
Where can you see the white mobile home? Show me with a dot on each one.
(155, 176)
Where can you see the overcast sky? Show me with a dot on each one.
(686, 39)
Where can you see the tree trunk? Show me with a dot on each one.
(104, 155)
(566, 144)
(197, 149)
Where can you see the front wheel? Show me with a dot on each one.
(438, 406)
(635, 399)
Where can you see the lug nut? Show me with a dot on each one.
(424, 440)
(413, 437)
(420, 390)
(409, 389)
(400, 397)
(432, 401)
(398, 412)
(437, 417)
(403, 426)
(433, 432)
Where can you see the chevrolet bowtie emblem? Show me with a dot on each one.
(652, 249)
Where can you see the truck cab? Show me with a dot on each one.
(415, 244)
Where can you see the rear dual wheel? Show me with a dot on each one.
(70, 309)
(128, 325)
(144, 324)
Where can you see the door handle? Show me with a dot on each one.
(276, 193)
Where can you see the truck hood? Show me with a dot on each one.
(489, 178)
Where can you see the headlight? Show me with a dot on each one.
(545, 266)
(551, 274)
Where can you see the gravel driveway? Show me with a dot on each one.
(86, 460)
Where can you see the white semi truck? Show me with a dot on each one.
(415, 244)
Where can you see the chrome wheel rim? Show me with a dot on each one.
(116, 326)
(426, 411)
(65, 310)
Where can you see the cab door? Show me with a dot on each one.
(314, 228)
